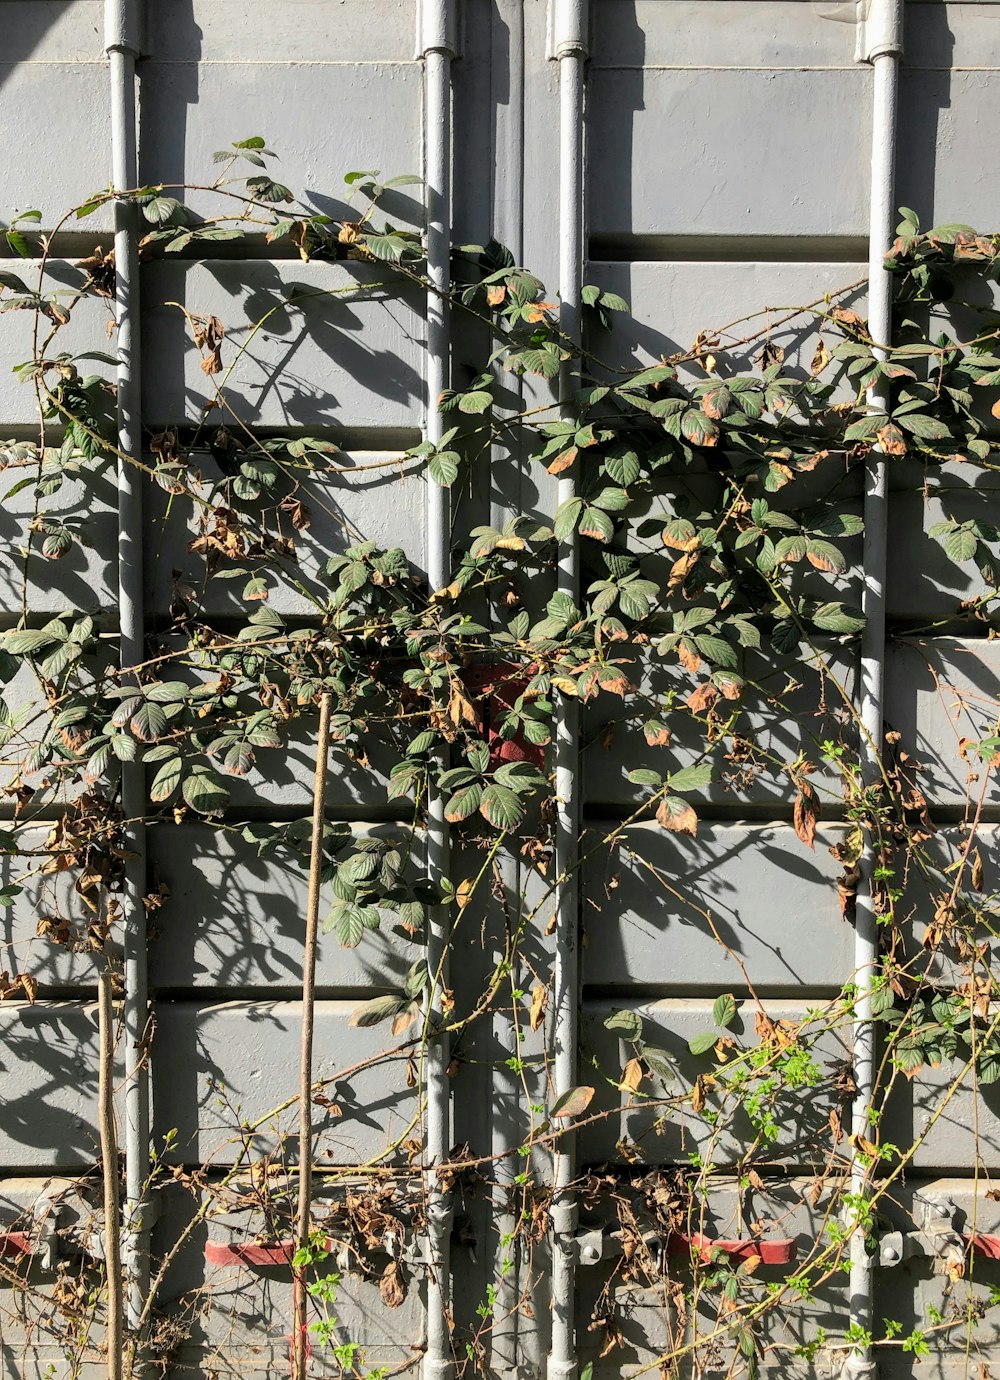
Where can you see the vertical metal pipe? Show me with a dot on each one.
(438, 45)
(123, 43)
(884, 46)
(508, 226)
(571, 39)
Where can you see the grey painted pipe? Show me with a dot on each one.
(508, 226)
(571, 47)
(883, 48)
(438, 45)
(123, 43)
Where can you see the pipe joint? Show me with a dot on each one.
(565, 1218)
(436, 1369)
(439, 28)
(569, 28)
(124, 27)
(858, 1367)
(440, 1211)
(882, 30)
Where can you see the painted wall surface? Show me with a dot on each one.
(727, 169)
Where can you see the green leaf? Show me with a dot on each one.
(443, 467)
(622, 466)
(612, 302)
(476, 402)
(378, 1009)
(703, 1042)
(464, 802)
(825, 556)
(694, 778)
(161, 210)
(645, 776)
(596, 523)
(790, 549)
(359, 867)
(350, 922)
(148, 722)
(502, 807)
(266, 189)
(724, 1010)
(698, 429)
(567, 518)
(961, 544)
(166, 780)
(838, 525)
(988, 1067)
(27, 641)
(923, 427)
(627, 1023)
(203, 791)
(167, 692)
(838, 618)
(661, 1066)
(717, 650)
(545, 360)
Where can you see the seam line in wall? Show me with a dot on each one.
(155, 61)
(774, 67)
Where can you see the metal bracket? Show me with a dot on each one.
(567, 29)
(125, 27)
(880, 30)
(878, 26)
(564, 1217)
(936, 1238)
(40, 1243)
(439, 28)
(594, 1244)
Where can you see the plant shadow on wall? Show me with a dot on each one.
(714, 650)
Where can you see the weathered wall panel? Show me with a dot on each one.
(726, 174)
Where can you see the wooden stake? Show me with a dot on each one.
(300, 1349)
(109, 1163)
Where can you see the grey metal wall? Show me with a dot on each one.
(726, 169)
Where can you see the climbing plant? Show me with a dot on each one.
(712, 650)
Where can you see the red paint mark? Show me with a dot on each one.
(775, 1252)
(983, 1243)
(496, 688)
(14, 1244)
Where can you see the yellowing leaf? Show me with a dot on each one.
(677, 816)
(460, 707)
(631, 1076)
(573, 1102)
(539, 996)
